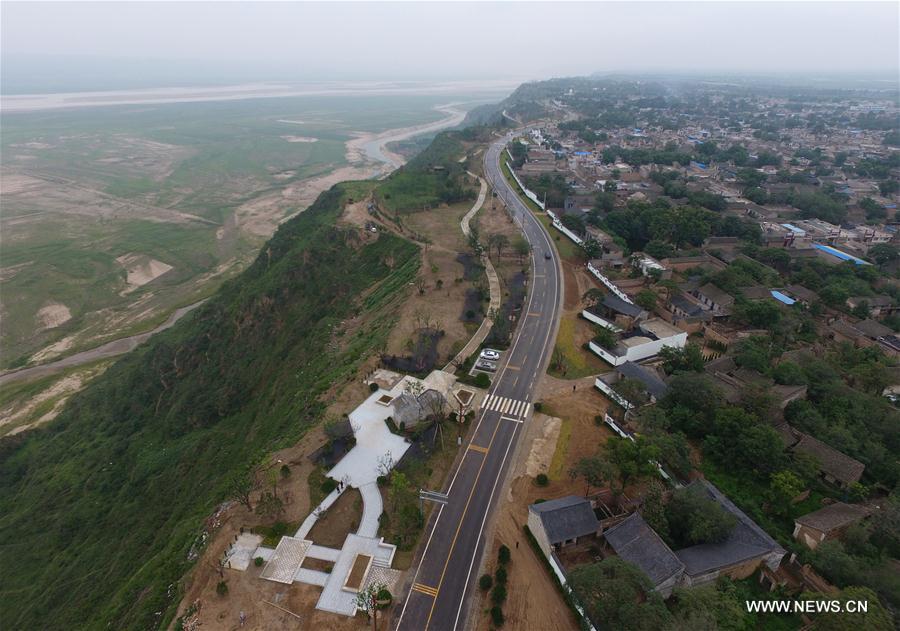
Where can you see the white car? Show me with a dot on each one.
(490, 354)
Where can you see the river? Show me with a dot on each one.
(373, 148)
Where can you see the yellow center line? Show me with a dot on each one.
(534, 313)
(459, 526)
(425, 589)
(479, 448)
(511, 367)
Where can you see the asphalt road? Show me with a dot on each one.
(447, 571)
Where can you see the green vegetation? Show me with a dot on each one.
(433, 177)
(102, 509)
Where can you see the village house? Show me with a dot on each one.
(562, 522)
(834, 466)
(827, 523)
(746, 548)
(716, 300)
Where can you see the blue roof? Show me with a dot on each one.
(780, 297)
(793, 228)
(582, 153)
(838, 254)
(698, 165)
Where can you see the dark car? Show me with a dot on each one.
(548, 256)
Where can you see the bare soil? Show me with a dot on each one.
(339, 520)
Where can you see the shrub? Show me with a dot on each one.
(498, 594)
(258, 561)
(541, 479)
(497, 616)
(383, 598)
(485, 582)
(382, 480)
(503, 555)
(482, 380)
(222, 588)
(598, 420)
(538, 406)
(373, 387)
(285, 471)
(328, 485)
(500, 575)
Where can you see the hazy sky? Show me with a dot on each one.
(458, 40)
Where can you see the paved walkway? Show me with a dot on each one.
(493, 282)
(372, 509)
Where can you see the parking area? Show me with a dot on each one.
(488, 361)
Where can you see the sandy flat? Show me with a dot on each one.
(141, 269)
(53, 315)
(299, 139)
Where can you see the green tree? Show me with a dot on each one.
(783, 488)
(889, 187)
(875, 618)
(592, 248)
(653, 509)
(884, 253)
(646, 299)
(632, 459)
(716, 606)
(521, 247)
(686, 359)
(498, 241)
(789, 374)
(596, 471)
(617, 595)
(694, 518)
(605, 338)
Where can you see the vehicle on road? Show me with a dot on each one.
(491, 354)
(548, 256)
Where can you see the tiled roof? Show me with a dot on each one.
(834, 516)
(636, 542)
(566, 518)
(836, 464)
(746, 540)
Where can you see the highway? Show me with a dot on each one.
(447, 570)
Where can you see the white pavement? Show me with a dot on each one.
(372, 509)
(334, 597)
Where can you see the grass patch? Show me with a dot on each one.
(562, 446)
(577, 362)
(568, 249)
(507, 173)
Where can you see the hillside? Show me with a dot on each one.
(100, 509)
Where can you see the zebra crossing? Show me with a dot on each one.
(513, 409)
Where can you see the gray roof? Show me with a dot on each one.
(620, 306)
(718, 296)
(834, 516)
(566, 518)
(872, 328)
(636, 542)
(655, 386)
(831, 461)
(686, 305)
(746, 540)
